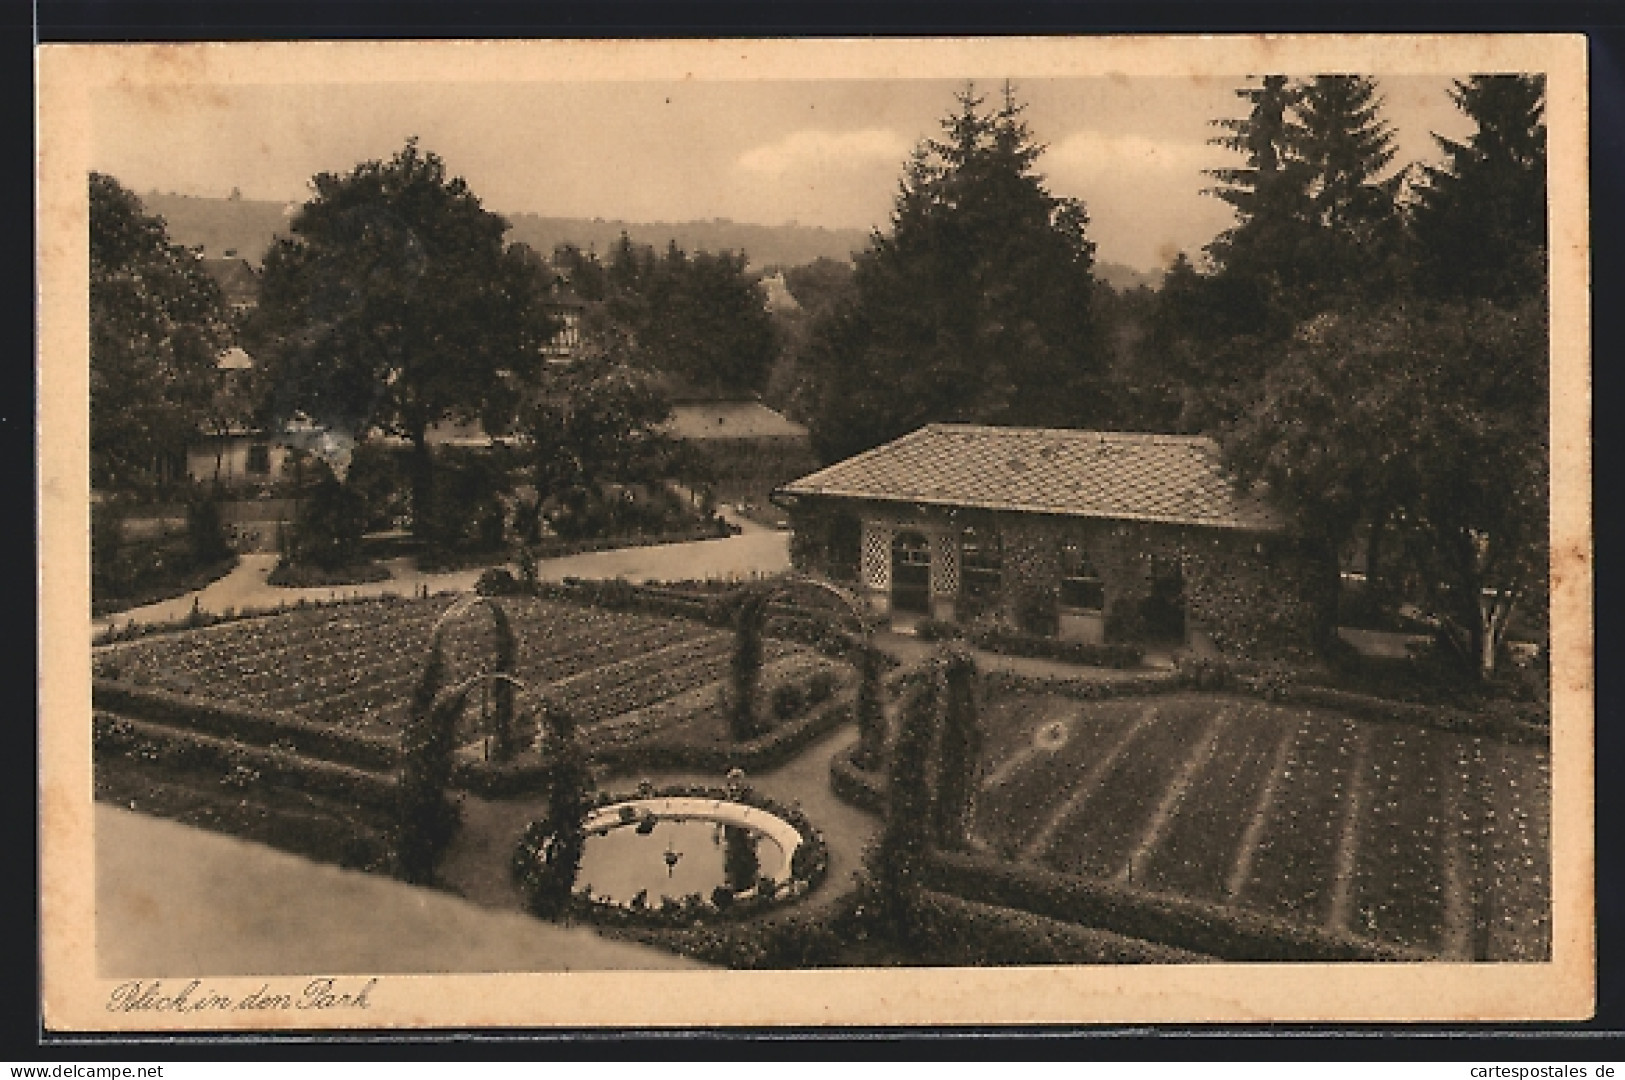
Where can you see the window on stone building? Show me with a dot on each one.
(981, 562)
(1081, 586)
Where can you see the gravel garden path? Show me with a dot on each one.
(754, 551)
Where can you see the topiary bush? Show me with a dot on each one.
(548, 859)
(961, 743)
(426, 819)
(745, 666)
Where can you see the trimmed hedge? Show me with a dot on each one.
(272, 765)
(1001, 639)
(260, 727)
(857, 787)
(964, 932)
(1178, 922)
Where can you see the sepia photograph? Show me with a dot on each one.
(995, 531)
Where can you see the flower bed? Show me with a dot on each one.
(353, 665)
(1392, 832)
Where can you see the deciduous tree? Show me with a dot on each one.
(393, 303)
(157, 324)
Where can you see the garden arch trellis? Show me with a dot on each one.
(862, 651)
(426, 819)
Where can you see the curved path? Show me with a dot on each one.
(756, 551)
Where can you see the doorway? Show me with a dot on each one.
(911, 573)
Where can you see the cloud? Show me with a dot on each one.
(813, 149)
(1094, 153)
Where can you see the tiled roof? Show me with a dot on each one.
(1100, 474)
(238, 282)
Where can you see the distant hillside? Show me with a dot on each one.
(247, 227)
(219, 225)
(767, 245)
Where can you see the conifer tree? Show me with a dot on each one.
(974, 307)
(1480, 220)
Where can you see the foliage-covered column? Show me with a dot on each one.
(425, 819)
(504, 736)
(745, 670)
(871, 705)
(894, 860)
(961, 746)
(555, 844)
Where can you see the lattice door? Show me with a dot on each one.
(876, 556)
(945, 565)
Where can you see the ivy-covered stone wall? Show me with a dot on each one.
(1241, 591)
(824, 540)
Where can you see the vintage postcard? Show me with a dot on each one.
(772, 532)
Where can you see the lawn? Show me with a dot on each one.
(354, 665)
(1405, 834)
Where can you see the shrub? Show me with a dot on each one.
(961, 932)
(498, 581)
(871, 705)
(788, 700)
(893, 860)
(1202, 672)
(205, 532)
(290, 575)
(937, 630)
(327, 531)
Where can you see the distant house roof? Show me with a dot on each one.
(779, 296)
(730, 420)
(234, 359)
(239, 284)
(1175, 479)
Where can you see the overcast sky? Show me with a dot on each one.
(827, 152)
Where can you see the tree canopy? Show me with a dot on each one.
(976, 305)
(698, 317)
(157, 325)
(394, 302)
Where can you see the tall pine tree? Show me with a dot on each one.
(1480, 221)
(975, 307)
